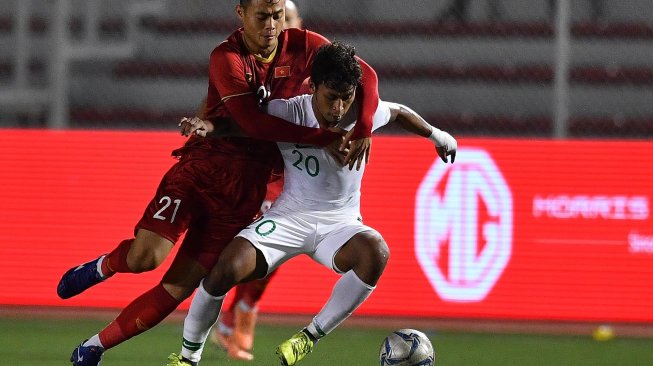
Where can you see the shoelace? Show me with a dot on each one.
(303, 346)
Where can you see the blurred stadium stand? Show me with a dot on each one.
(489, 72)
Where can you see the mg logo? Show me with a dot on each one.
(463, 226)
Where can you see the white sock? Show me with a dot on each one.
(226, 330)
(94, 341)
(347, 295)
(99, 267)
(244, 307)
(203, 313)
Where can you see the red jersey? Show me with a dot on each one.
(234, 72)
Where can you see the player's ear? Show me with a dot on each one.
(312, 86)
(240, 12)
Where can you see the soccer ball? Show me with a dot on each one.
(407, 347)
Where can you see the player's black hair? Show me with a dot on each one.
(245, 3)
(335, 65)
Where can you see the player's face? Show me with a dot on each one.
(262, 20)
(331, 105)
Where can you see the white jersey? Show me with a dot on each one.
(312, 178)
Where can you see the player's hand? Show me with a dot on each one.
(357, 150)
(445, 144)
(334, 150)
(195, 126)
(265, 206)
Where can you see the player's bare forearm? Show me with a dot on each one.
(410, 121)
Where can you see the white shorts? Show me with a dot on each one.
(282, 233)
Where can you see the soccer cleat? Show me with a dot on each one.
(243, 334)
(177, 360)
(236, 353)
(77, 279)
(220, 339)
(86, 355)
(226, 342)
(295, 349)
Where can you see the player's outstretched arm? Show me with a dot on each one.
(412, 122)
(227, 77)
(255, 123)
(197, 125)
(200, 125)
(189, 126)
(358, 139)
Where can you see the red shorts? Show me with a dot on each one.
(212, 197)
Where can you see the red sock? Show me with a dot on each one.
(143, 313)
(116, 261)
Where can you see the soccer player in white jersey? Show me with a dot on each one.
(317, 214)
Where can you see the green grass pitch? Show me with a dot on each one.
(46, 341)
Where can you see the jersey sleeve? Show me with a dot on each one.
(226, 73)
(381, 116)
(282, 108)
(369, 98)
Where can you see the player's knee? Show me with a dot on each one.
(179, 292)
(378, 254)
(148, 251)
(372, 254)
(219, 280)
(224, 275)
(144, 261)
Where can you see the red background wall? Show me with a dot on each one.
(69, 195)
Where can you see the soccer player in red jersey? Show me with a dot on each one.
(234, 331)
(217, 185)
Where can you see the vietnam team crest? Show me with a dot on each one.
(463, 226)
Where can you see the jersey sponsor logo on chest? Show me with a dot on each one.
(281, 72)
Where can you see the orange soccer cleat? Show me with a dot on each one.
(243, 334)
(235, 353)
(227, 343)
(220, 339)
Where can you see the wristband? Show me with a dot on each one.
(436, 136)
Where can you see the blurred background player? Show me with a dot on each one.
(293, 17)
(234, 331)
(218, 185)
(324, 224)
